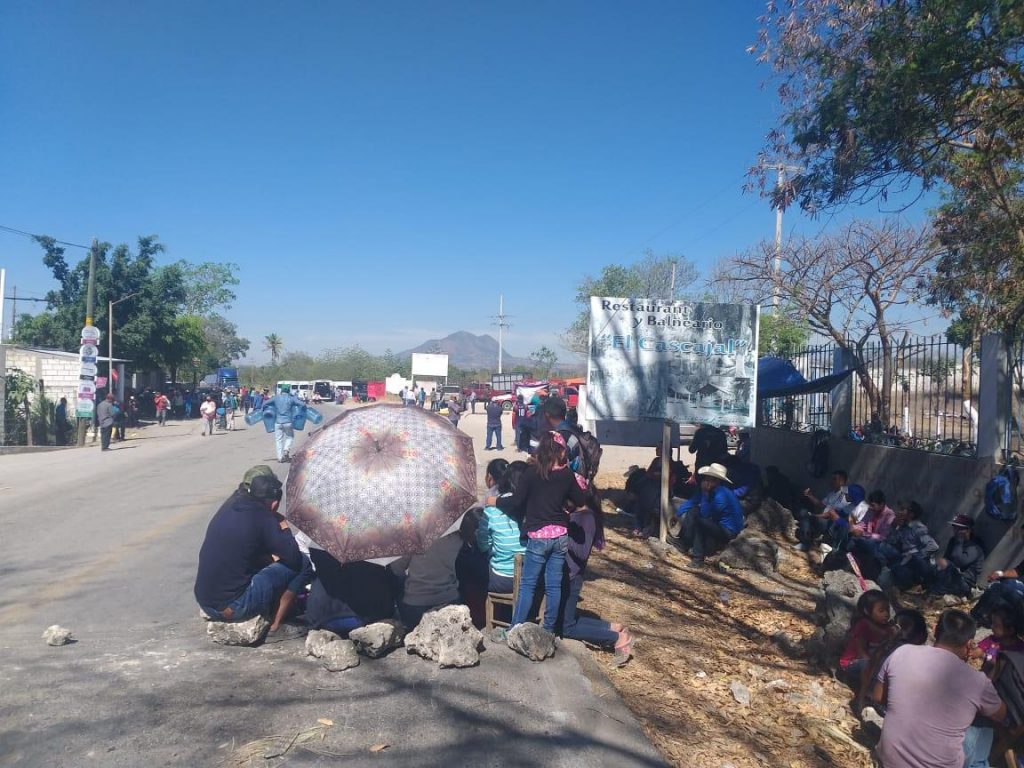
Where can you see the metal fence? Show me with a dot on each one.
(1014, 436)
(921, 393)
(803, 413)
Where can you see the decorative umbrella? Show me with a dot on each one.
(381, 481)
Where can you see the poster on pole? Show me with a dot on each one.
(692, 362)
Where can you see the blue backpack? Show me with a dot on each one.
(1001, 493)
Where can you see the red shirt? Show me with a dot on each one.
(872, 636)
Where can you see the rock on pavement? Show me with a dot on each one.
(337, 654)
(377, 639)
(533, 642)
(238, 633)
(57, 635)
(447, 636)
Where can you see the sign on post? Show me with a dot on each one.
(88, 354)
(691, 362)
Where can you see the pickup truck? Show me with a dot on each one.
(484, 392)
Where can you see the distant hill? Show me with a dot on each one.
(467, 350)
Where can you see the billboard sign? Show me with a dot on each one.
(424, 364)
(692, 362)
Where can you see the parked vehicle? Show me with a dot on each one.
(453, 389)
(323, 391)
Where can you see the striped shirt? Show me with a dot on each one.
(498, 535)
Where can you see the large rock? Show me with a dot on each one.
(340, 655)
(57, 635)
(533, 642)
(317, 641)
(751, 551)
(378, 639)
(771, 517)
(448, 637)
(835, 610)
(238, 633)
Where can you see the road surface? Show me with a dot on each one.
(106, 545)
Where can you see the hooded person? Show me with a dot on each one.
(712, 517)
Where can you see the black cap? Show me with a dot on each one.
(265, 488)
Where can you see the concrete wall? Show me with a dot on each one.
(944, 485)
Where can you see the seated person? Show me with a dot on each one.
(498, 535)
(873, 525)
(1005, 636)
(429, 580)
(249, 563)
(852, 513)
(680, 474)
(816, 516)
(877, 521)
(350, 595)
(957, 571)
(746, 482)
(586, 531)
(871, 629)
(472, 568)
(931, 699)
(909, 628)
(1006, 588)
(712, 517)
(901, 560)
(644, 502)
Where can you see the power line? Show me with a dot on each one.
(23, 233)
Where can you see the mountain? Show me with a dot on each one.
(467, 350)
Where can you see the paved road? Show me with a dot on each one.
(106, 545)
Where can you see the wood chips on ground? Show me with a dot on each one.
(698, 633)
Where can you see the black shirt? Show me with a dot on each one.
(239, 541)
(493, 414)
(341, 591)
(543, 500)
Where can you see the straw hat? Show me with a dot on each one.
(716, 471)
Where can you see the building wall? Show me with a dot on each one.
(944, 485)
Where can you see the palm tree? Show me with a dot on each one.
(273, 344)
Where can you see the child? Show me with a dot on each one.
(543, 491)
(868, 633)
(1005, 636)
(498, 535)
(910, 629)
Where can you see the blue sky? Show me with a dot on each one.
(381, 172)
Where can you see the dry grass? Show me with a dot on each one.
(698, 632)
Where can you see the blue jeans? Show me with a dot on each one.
(545, 556)
(284, 436)
(583, 627)
(496, 431)
(264, 590)
(977, 745)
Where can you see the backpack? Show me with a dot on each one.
(1001, 493)
(588, 449)
(818, 464)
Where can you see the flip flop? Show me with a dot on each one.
(624, 644)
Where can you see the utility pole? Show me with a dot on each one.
(780, 185)
(500, 319)
(14, 308)
(90, 298)
(3, 294)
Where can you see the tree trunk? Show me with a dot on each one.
(966, 374)
(885, 396)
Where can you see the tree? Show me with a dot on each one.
(850, 286)
(223, 344)
(273, 344)
(208, 286)
(882, 96)
(545, 360)
(183, 343)
(781, 334)
(651, 277)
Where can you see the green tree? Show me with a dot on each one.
(223, 345)
(183, 342)
(273, 344)
(208, 286)
(649, 278)
(782, 334)
(545, 360)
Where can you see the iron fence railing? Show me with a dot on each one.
(803, 413)
(1015, 426)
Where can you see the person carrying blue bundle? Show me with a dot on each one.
(286, 406)
(712, 517)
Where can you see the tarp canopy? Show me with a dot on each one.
(779, 378)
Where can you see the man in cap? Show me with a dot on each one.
(286, 406)
(712, 517)
(957, 571)
(250, 563)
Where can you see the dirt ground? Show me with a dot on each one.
(699, 635)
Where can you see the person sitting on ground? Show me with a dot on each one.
(250, 563)
(1005, 636)
(931, 699)
(586, 531)
(871, 628)
(957, 571)
(780, 488)
(816, 516)
(902, 558)
(909, 628)
(877, 522)
(498, 535)
(346, 596)
(746, 482)
(712, 517)
(680, 474)
(472, 569)
(429, 579)
(852, 513)
(1006, 588)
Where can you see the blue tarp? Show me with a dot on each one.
(778, 378)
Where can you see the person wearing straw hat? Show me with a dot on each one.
(712, 517)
